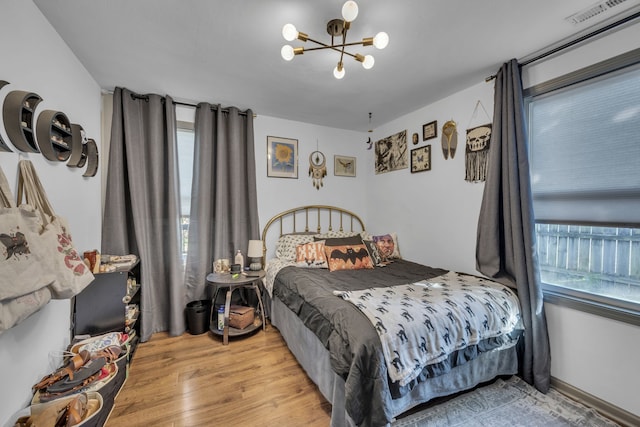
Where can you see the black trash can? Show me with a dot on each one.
(198, 314)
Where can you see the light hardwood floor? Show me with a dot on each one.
(193, 380)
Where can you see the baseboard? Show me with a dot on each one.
(619, 415)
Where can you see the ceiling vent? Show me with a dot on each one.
(593, 11)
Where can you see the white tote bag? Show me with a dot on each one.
(24, 261)
(71, 273)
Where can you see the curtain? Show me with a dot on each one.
(505, 246)
(141, 214)
(224, 207)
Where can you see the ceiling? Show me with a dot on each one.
(228, 52)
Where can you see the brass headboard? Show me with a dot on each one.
(303, 219)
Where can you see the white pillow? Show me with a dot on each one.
(287, 243)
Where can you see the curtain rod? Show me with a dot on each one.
(575, 41)
(213, 107)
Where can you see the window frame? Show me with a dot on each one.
(607, 307)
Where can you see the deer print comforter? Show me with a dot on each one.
(422, 323)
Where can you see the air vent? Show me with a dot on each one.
(593, 11)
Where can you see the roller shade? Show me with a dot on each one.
(585, 151)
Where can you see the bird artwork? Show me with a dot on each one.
(317, 168)
(449, 139)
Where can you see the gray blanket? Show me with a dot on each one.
(355, 350)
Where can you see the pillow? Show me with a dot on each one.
(347, 257)
(311, 255)
(376, 259)
(340, 241)
(287, 243)
(387, 246)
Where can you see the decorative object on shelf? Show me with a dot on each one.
(254, 253)
(421, 159)
(221, 266)
(344, 166)
(391, 153)
(369, 142)
(430, 130)
(449, 139)
(282, 157)
(335, 28)
(317, 168)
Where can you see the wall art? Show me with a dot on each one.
(391, 153)
(477, 153)
(430, 130)
(449, 139)
(344, 166)
(421, 159)
(317, 168)
(282, 157)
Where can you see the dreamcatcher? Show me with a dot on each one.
(317, 168)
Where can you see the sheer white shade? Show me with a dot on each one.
(287, 52)
(350, 11)
(381, 40)
(289, 32)
(255, 249)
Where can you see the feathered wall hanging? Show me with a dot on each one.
(317, 168)
(449, 139)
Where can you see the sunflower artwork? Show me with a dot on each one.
(282, 157)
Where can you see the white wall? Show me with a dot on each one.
(278, 194)
(594, 354)
(35, 59)
(435, 213)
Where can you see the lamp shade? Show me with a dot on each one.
(350, 11)
(255, 249)
(289, 32)
(381, 40)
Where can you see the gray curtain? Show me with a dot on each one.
(505, 247)
(142, 205)
(224, 207)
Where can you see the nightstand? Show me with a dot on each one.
(246, 280)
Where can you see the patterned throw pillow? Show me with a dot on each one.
(287, 243)
(373, 253)
(339, 241)
(387, 246)
(348, 257)
(311, 255)
(337, 233)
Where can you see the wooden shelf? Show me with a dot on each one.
(53, 131)
(18, 115)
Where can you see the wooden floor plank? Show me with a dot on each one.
(194, 380)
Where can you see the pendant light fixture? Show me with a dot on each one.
(335, 28)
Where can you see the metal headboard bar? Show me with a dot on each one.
(320, 209)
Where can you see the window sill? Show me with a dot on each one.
(622, 311)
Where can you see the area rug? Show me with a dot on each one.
(510, 402)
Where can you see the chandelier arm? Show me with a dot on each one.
(335, 47)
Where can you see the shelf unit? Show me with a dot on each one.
(53, 132)
(18, 114)
(77, 146)
(3, 145)
(90, 153)
(103, 306)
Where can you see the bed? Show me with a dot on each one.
(379, 336)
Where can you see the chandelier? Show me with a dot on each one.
(335, 28)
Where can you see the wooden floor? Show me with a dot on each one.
(193, 380)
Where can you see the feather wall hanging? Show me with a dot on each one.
(317, 167)
(449, 139)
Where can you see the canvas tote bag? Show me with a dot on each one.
(71, 273)
(23, 254)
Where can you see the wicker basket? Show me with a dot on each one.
(240, 317)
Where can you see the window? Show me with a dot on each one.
(584, 135)
(185, 167)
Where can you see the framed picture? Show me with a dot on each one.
(344, 166)
(391, 153)
(421, 159)
(282, 157)
(430, 130)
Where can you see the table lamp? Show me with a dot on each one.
(254, 253)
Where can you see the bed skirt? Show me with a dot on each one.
(314, 358)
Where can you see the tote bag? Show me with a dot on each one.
(15, 310)
(71, 273)
(23, 253)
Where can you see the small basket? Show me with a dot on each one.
(240, 317)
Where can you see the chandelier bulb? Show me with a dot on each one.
(338, 72)
(287, 52)
(381, 40)
(350, 11)
(289, 32)
(368, 62)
